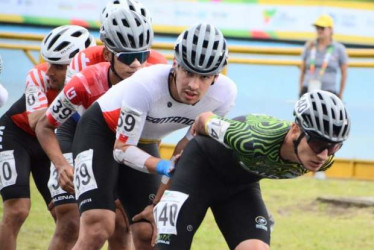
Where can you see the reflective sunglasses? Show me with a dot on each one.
(318, 145)
(129, 57)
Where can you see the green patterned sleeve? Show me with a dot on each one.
(228, 132)
(327, 164)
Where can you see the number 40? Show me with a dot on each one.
(167, 214)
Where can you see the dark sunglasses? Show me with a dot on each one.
(129, 57)
(320, 28)
(318, 145)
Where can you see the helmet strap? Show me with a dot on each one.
(112, 68)
(296, 145)
(173, 76)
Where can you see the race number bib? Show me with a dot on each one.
(32, 97)
(217, 129)
(8, 172)
(314, 84)
(61, 109)
(54, 187)
(129, 126)
(167, 210)
(84, 179)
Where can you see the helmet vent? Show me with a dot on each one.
(54, 59)
(336, 130)
(333, 100)
(115, 22)
(314, 106)
(333, 114)
(211, 61)
(345, 129)
(202, 58)
(307, 120)
(143, 12)
(125, 23)
(46, 39)
(132, 41)
(87, 43)
(324, 109)
(341, 117)
(148, 37)
(195, 38)
(72, 54)
(141, 39)
(53, 41)
(61, 46)
(122, 40)
(109, 42)
(76, 34)
(138, 23)
(193, 56)
(215, 44)
(326, 127)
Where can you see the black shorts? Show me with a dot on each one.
(65, 136)
(211, 177)
(136, 189)
(96, 171)
(106, 179)
(20, 154)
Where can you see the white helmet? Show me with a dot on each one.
(202, 49)
(323, 114)
(64, 42)
(133, 5)
(126, 30)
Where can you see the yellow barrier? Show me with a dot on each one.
(354, 53)
(236, 60)
(342, 168)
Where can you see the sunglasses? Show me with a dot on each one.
(320, 28)
(319, 145)
(129, 57)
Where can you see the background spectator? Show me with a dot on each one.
(321, 60)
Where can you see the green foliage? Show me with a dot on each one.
(301, 221)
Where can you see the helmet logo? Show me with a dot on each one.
(67, 49)
(302, 105)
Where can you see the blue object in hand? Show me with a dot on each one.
(164, 167)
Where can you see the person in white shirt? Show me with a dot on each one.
(144, 108)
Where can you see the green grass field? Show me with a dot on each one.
(301, 221)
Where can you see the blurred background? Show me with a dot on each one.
(268, 37)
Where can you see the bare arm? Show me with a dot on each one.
(48, 140)
(34, 117)
(136, 158)
(343, 80)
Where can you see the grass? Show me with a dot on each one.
(301, 221)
